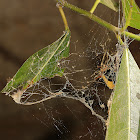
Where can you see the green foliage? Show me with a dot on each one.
(111, 4)
(43, 63)
(124, 113)
(132, 13)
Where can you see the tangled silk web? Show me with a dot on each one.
(88, 73)
(82, 77)
(81, 81)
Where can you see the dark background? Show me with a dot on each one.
(26, 26)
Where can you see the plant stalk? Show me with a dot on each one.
(119, 39)
(131, 35)
(63, 16)
(89, 15)
(102, 22)
(94, 6)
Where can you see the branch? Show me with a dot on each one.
(102, 22)
(131, 35)
(89, 15)
(63, 16)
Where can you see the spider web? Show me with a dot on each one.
(80, 94)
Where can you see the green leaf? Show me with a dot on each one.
(43, 63)
(125, 108)
(132, 13)
(111, 4)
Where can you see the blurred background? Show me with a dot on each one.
(27, 26)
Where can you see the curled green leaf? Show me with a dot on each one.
(42, 64)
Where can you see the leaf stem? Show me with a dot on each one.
(94, 6)
(119, 39)
(63, 16)
(131, 35)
